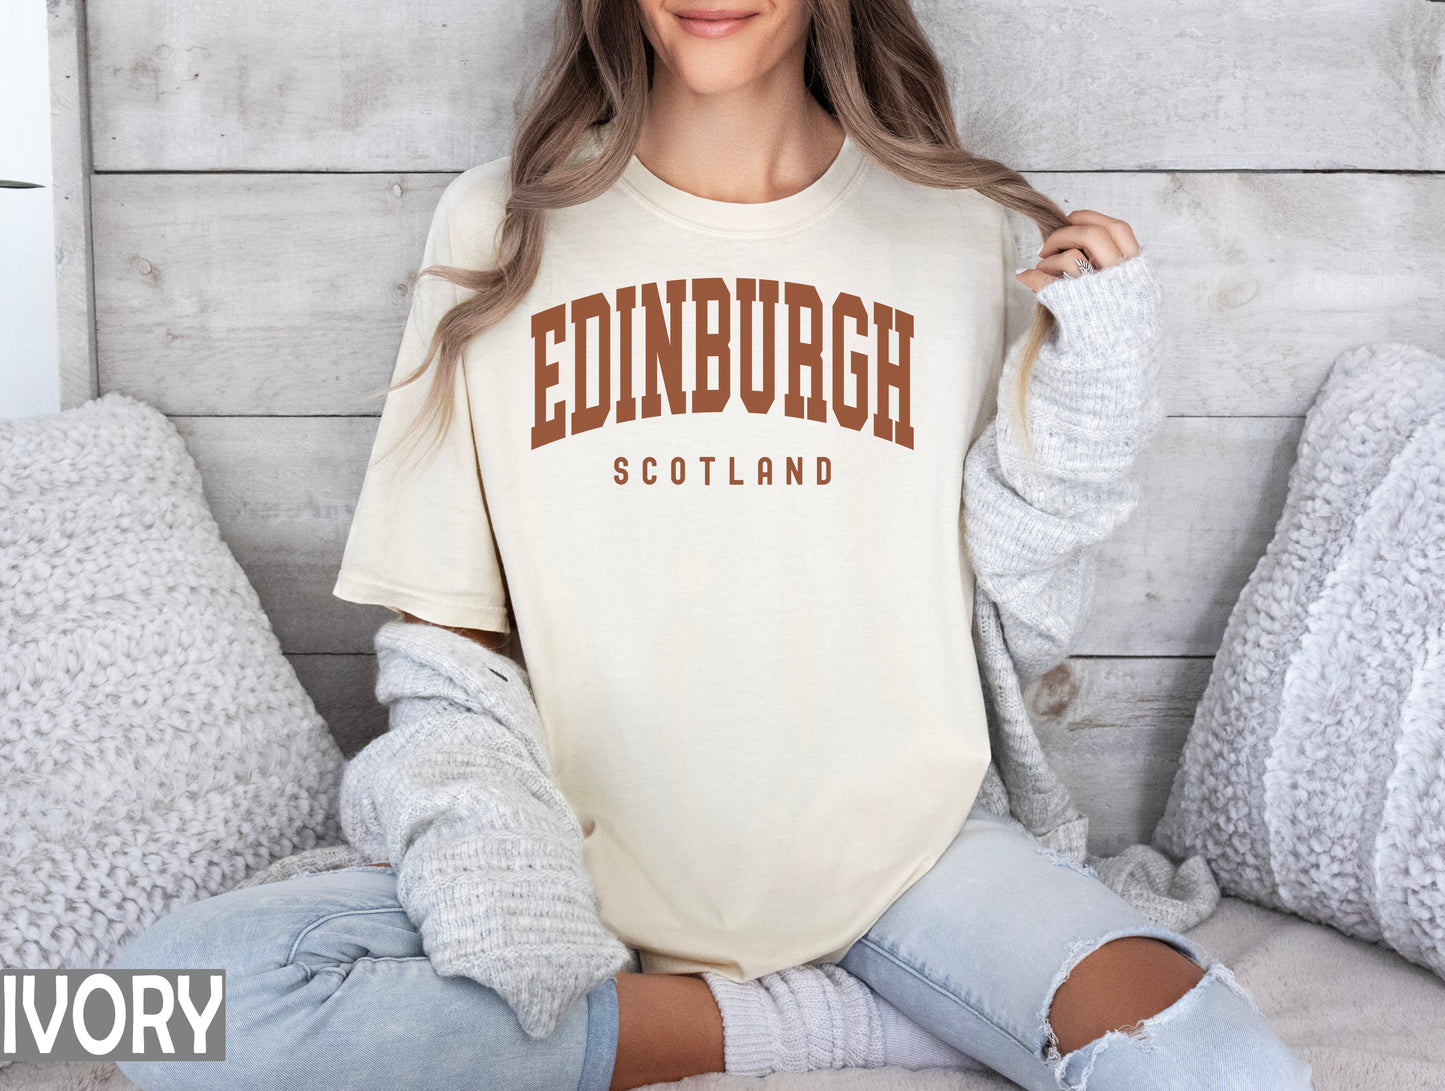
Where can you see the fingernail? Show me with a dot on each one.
(1022, 269)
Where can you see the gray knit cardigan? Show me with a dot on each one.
(459, 796)
(1031, 525)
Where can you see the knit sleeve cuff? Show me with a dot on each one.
(1099, 311)
(1092, 398)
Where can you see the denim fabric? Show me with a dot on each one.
(975, 949)
(327, 985)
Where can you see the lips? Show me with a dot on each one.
(709, 14)
(712, 23)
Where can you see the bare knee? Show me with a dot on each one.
(1117, 985)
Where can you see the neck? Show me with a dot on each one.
(756, 143)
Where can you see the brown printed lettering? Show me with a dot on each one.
(857, 363)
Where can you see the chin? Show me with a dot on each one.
(713, 78)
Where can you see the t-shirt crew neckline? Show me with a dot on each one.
(740, 218)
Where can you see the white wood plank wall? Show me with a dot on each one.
(263, 175)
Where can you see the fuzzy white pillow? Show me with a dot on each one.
(1313, 778)
(155, 745)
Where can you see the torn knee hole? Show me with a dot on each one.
(1078, 951)
(1139, 1029)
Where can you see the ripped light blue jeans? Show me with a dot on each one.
(327, 986)
(975, 949)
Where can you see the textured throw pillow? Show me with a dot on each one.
(1313, 778)
(155, 745)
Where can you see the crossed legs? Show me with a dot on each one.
(670, 1028)
(974, 954)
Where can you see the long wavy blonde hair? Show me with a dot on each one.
(868, 63)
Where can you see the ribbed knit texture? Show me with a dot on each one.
(820, 1016)
(1032, 524)
(797, 1020)
(459, 796)
(1092, 405)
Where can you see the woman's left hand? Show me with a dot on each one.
(1100, 239)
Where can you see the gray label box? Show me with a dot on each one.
(117, 1015)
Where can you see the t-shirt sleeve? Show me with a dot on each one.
(421, 537)
(1018, 316)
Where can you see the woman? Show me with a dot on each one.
(732, 314)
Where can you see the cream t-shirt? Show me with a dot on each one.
(712, 468)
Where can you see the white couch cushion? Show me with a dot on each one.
(1313, 778)
(156, 746)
